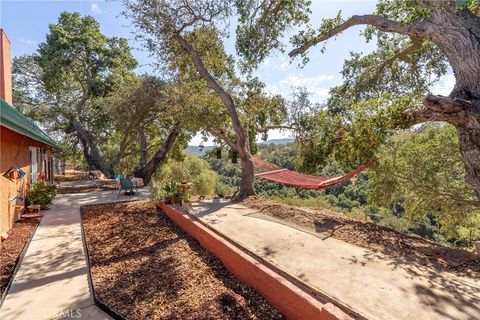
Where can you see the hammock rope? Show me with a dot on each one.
(299, 180)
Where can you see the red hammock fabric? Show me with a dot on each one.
(295, 179)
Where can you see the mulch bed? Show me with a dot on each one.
(371, 236)
(12, 247)
(72, 176)
(103, 185)
(145, 267)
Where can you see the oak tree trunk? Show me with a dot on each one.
(147, 171)
(247, 178)
(90, 150)
(143, 146)
(457, 33)
(241, 143)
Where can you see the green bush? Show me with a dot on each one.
(397, 223)
(224, 189)
(192, 169)
(41, 193)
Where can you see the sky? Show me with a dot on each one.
(26, 24)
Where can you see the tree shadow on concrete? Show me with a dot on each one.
(449, 296)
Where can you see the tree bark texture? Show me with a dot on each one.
(240, 144)
(143, 146)
(147, 171)
(90, 150)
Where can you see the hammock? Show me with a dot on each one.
(296, 179)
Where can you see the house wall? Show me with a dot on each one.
(5, 68)
(11, 144)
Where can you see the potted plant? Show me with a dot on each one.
(185, 197)
(41, 194)
(170, 189)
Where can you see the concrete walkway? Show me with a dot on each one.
(374, 285)
(52, 282)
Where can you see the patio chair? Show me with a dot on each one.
(127, 185)
(117, 181)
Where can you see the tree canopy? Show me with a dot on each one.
(388, 89)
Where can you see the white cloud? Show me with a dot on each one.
(284, 66)
(313, 84)
(444, 86)
(302, 81)
(278, 64)
(95, 8)
(274, 89)
(29, 42)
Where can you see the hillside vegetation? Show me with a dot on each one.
(417, 186)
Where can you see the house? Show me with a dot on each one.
(23, 146)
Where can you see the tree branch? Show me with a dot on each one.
(381, 23)
(215, 86)
(284, 127)
(446, 105)
(226, 139)
(427, 115)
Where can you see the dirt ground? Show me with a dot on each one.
(12, 247)
(371, 236)
(99, 185)
(145, 267)
(72, 175)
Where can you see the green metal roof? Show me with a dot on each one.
(14, 120)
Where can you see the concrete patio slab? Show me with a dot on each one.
(375, 285)
(52, 281)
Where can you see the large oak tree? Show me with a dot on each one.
(416, 42)
(80, 65)
(173, 29)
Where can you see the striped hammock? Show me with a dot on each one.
(296, 179)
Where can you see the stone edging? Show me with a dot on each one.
(283, 294)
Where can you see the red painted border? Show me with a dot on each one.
(289, 299)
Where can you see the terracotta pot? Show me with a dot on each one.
(175, 199)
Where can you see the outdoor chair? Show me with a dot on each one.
(127, 185)
(117, 181)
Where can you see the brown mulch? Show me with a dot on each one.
(371, 236)
(145, 267)
(12, 247)
(72, 175)
(103, 185)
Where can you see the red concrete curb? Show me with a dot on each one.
(289, 299)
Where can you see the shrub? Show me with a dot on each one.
(192, 169)
(225, 190)
(41, 193)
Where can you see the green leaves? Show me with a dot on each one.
(77, 56)
(309, 35)
(262, 24)
(424, 168)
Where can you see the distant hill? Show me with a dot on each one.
(277, 141)
(199, 151)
